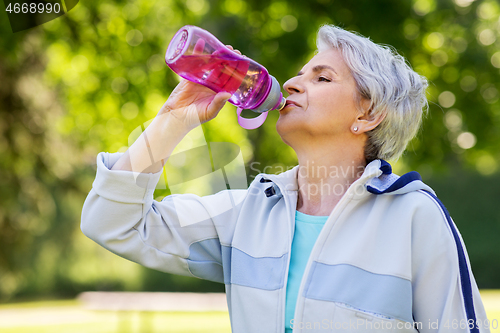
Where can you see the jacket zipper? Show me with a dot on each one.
(332, 219)
(291, 229)
(342, 203)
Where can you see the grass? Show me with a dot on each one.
(175, 322)
(69, 316)
(491, 302)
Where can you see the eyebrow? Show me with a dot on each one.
(319, 68)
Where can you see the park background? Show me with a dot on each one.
(81, 83)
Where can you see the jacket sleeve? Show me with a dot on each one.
(183, 234)
(445, 295)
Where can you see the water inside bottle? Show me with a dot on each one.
(225, 71)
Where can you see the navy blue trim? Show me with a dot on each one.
(385, 167)
(401, 182)
(464, 270)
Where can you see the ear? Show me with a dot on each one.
(366, 120)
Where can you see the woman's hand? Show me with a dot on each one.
(193, 104)
(189, 105)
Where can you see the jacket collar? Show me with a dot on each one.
(288, 180)
(377, 178)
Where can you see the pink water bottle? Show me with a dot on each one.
(196, 55)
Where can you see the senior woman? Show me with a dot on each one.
(339, 243)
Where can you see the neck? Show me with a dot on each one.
(325, 173)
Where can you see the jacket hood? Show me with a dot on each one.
(389, 183)
(377, 178)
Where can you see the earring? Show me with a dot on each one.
(355, 129)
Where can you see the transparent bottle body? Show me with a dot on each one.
(198, 56)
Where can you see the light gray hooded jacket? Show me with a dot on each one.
(388, 259)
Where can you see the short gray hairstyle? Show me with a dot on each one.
(384, 78)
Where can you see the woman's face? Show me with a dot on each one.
(321, 102)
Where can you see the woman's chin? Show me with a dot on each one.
(281, 125)
(285, 126)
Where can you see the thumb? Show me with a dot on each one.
(218, 102)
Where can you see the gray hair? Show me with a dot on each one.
(385, 79)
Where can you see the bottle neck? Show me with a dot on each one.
(281, 103)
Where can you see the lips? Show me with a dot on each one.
(293, 103)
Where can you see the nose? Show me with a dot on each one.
(292, 86)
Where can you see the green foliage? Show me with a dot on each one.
(470, 199)
(82, 83)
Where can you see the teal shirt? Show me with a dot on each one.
(307, 229)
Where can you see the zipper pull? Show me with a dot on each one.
(273, 190)
(270, 191)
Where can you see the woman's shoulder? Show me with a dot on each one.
(430, 218)
(417, 199)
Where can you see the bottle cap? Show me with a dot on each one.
(274, 100)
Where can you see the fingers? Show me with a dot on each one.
(221, 98)
(217, 103)
(232, 49)
(199, 46)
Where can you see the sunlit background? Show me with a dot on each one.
(81, 84)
